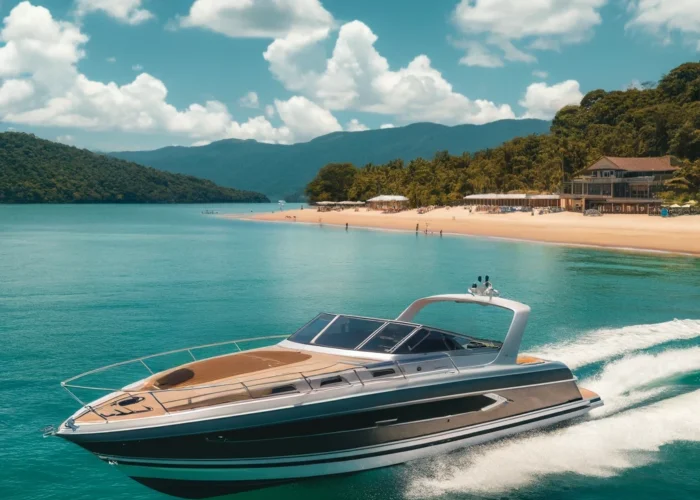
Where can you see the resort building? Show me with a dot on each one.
(513, 200)
(388, 202)
(620, 185)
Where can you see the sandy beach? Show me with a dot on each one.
(640, 232)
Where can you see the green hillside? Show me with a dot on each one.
(655, 121)
(34, 170)
(280, 170)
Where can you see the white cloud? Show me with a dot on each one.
(543, 101)
(111, 59)
(664, 17)
(66, 139)
(259, 18)
(539, 24)
(14, 92)
(386, 125)
(126, 11)
(305, 119)
(357, 77)
(540, 74)
(354, 125)
(250, 100)
(269, 111)
(41, 86)
(137, 67)
(478, 55)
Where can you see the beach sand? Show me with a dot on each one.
(640, 232)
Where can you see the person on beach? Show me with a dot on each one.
(417, 228)
(346, 226)
(440, 233)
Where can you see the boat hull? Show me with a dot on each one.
(210, 478)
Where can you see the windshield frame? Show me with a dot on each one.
(488, 344)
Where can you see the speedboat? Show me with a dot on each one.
(342, 394)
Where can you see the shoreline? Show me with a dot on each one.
(631, 233)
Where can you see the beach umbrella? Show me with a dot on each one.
(687, 205)
(675, 205)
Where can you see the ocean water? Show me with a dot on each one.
(84, 286)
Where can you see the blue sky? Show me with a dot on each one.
(141, 74)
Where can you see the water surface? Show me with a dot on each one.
(84, 286)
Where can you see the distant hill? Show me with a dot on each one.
(657, 120)
(279, 170)
(34, 170)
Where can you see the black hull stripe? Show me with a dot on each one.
(354, 457)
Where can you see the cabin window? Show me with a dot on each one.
(387, 338)
(426, 340)
(309, 331)
(347, 333)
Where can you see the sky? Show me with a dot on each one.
(116, 75)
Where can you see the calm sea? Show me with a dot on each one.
(84, 286)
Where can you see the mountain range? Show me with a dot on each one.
(284, 170)
(34, 170)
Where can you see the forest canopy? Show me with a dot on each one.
(34, 170)
(656, 120)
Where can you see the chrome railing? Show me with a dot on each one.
(206, 395)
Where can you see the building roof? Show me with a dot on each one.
(498, 196)
(657, 164)
(388, 197)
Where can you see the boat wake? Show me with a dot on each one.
(608, 343)
(645, 408)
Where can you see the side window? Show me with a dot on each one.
(425, 341)
(387, 338)
(347, 332)
(307, 332)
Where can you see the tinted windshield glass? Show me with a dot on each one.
(387, 338)
(347, 333)
(307, 333)
(425, 340)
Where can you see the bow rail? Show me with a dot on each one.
(131, 401)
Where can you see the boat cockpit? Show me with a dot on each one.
(370, 335)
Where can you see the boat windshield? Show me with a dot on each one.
(378, 335)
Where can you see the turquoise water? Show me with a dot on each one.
(84, 286)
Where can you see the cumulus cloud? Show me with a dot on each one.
(40, 85)
(250, 100)
(479, 55)
(354, 125)
(306, 119)
(357, 77)
(543, 101)
(259, 18)
(537, 25)
(540, 74)
(126, 11)
(15, 92)
(269, 111)
(137, 67)
(66, 139)
(386, 125)
(665, 17)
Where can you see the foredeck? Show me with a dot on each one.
(220, 380)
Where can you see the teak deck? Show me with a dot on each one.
(218, 380)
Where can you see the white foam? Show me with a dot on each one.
(608, 343)
(627, 382)
(599, 448)
(602, 446)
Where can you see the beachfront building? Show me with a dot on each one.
(388, 202)
(513, 200)
(620, 185)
